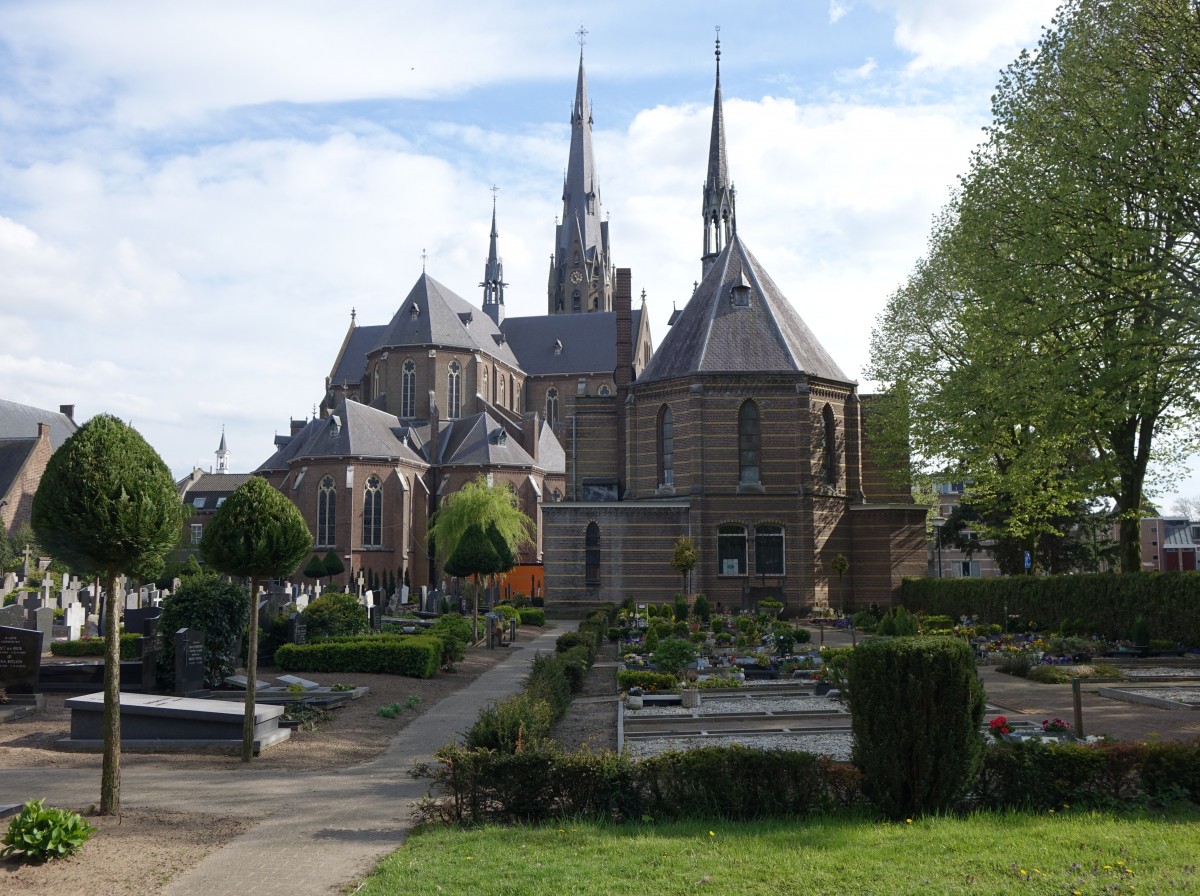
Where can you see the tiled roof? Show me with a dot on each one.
(352, 362)
(585, 343)
(443, 318)
(715, 334)
(14, 453)
(211, 487)
(20, 421)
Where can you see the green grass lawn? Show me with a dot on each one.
(1066, 853)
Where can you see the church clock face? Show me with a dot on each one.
(576, 276)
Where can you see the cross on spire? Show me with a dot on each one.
(424, 256)
(581, 34)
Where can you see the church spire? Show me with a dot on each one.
(493, 275)
(581, 277)
(222, 453)
(719, 219)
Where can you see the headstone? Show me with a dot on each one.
(297, 629)
(20, 659)
(9, 583)
(149, 647)
(12, 616)
(135, 619)
(189, 662)
(31, 603)
(301, 602)
(131, 601)
(403, 594)
(43, 621)
(46, 592)
(305, 683)
(75, 617)
(376, 614)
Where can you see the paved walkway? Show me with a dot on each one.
(320, 830)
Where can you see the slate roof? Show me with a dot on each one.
(481, 440)
(352, 362)
(1178, 534)
(211, 487)
(20, 421)
(712, 335)
(589, 342)
(443, 318)
(14, 454)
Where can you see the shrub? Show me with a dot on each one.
(512, 723)
(1141, 632)
(916, 709)
(216, 607)
(455, 634)
(681, 608)
(548, 681)
(1017, 664)
(650, 682)
(702, 609)
(565, 642)
(95, 647)
(575, 663)
(38, 833)
(416, 656)
(333, 615)
(531, 616)
(508, 613)
(673, 654)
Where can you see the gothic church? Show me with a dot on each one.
(739, 431)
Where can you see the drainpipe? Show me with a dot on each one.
(574, 462)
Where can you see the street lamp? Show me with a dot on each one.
(938, 522)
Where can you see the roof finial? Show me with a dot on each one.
(581, 34)
(424, 256)
(718, 29)
(353, 314)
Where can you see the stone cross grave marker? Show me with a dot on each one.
(75, 617)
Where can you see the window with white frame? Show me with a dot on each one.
(731, 550)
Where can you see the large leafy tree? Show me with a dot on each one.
(1048, 345)
(475, 555)
(486, 505)
(107, 505)
(256, 533)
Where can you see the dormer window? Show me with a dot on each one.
(739, 293)
(466, 317)
(558, 346)
(414, 312)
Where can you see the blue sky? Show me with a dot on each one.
(194, 196)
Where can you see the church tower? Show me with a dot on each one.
(581, 272)
(222, 453)
(719, 220)
(493, 276)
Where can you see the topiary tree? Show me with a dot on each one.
(673, 654)
(314, 569)
(332, 565)
(107, 505)
(214, 606)
(683, 558)
(702, 609)
(332, 615)
(473, 556)
(257, 533)
(916, 707)
(681, 608)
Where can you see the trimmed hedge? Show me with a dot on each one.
(95, 647)
(1109, 603)
(650, 682)
(531, 616)
(916, 706)
(416, 656)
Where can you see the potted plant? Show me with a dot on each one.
(633, 699)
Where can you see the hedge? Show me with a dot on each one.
(532, 616)
(95, 647)
(650, 682)
(417, 656)
(1109, 603)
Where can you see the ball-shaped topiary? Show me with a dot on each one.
(331, 615)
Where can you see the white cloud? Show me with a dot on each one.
(951, 34)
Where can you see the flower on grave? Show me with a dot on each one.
(1055, 726)
(635, 691)
(999, 727)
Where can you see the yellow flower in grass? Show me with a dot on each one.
(711, 834)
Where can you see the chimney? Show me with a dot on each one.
(68, 411)
(43, 432)
(530, 432)
(297, 425)
(623, 375)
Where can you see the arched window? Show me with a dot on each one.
(575, 306)
(487, 396)
(591, 558)
(666, 441)
(731, 550)
(454, 391)
(512, 391)
(552, 406)
(375, 384)
(749, 444)
(768, 550)
(326, 512)
(408, 390)
(372, 536)
(829, 446)
(500, 386)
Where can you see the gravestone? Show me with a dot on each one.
(132, 602)
(43, 621)
(135, 619)
(31, 602)
(8, 583)
(12, 616)
(20, 659)
(297, 629)
(376, 614)
(189, 663)
(75, 617)
(301, 602)
(149, 647)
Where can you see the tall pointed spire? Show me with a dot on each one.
(493, 275)
(719, 218)
(222, 453)
(581, 276)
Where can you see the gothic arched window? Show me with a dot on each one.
(829, 446)
(591, 551)
(326, 512)
(487, 396)
(372, 536)
(552, 406)
(408, 390)
(666, 444)
(768, 550)
(749, 444)
(454, 391)
(500, 386)
(512, 391)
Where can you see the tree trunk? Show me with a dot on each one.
(110, 774)
(251, 674)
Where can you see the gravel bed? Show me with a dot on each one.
(1190, 696)
(1161, 672)
(836, 746)
(715, 706)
